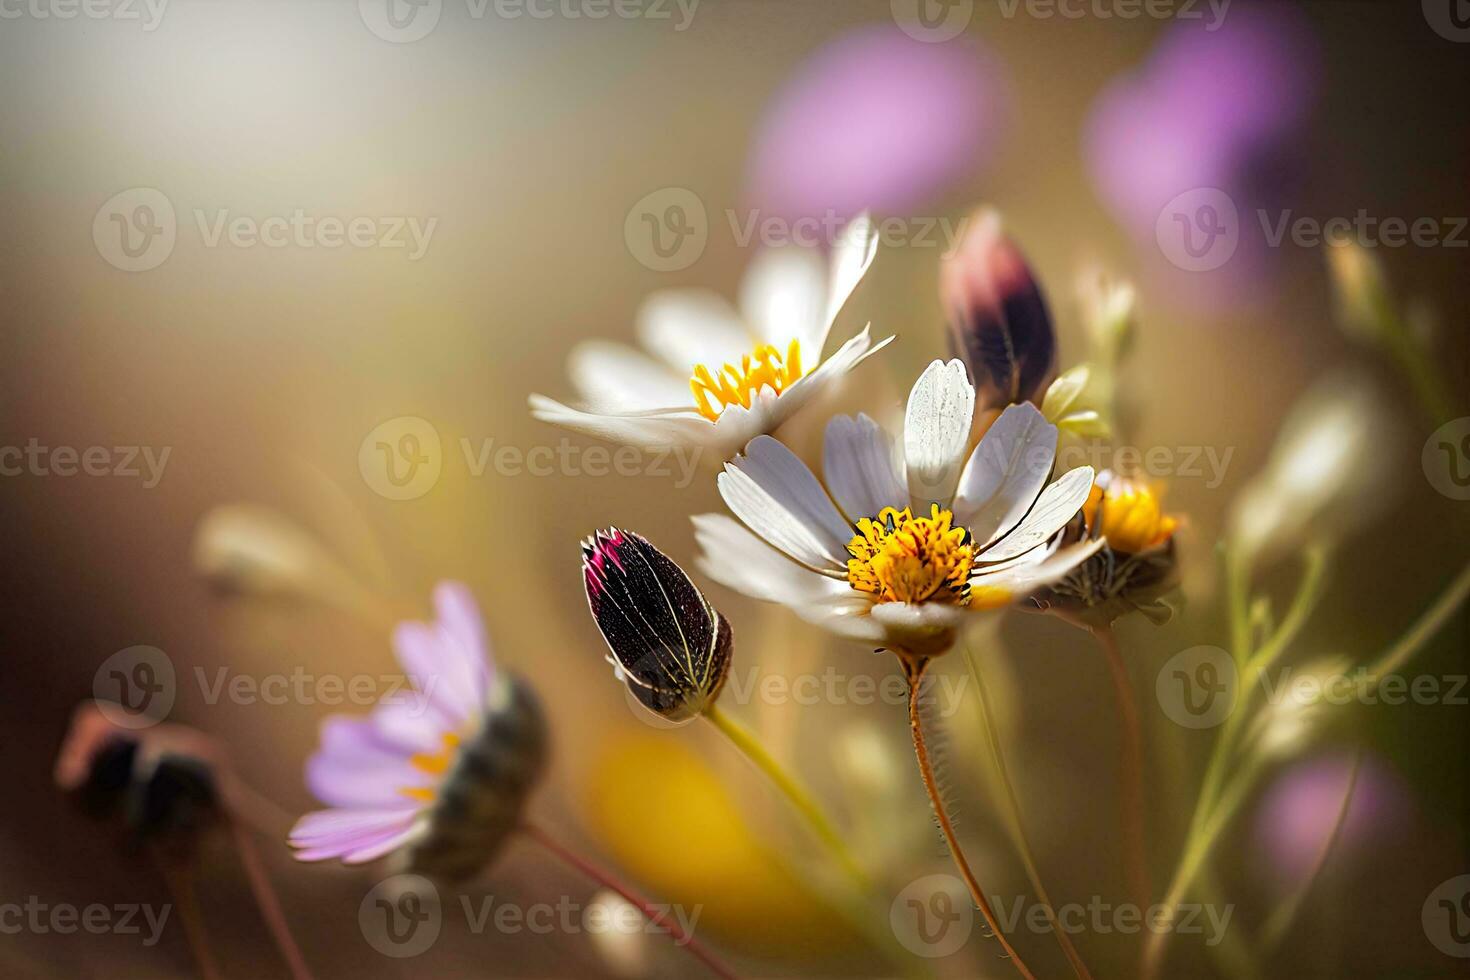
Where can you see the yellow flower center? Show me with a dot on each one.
(1132, 518)
(897, 557)
(731, 385)
(435, 764)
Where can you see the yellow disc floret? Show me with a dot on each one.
(434, 764)
(897, 557)
(731, 385)
(1132, 518)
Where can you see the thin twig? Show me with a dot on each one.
(1134, 830)
(659, 917)
(268, 902)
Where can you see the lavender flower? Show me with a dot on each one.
(437, 775)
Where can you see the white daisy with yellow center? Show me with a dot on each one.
(720, 377)
(903, 541)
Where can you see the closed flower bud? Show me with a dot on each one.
(998, 320)
(159, 784)
(253, 551)
(669, 645)
(1326, 474)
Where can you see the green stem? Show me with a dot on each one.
(1427, 625)
(857, 907)
(795, 793)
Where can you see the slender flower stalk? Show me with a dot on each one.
(1280, 921)
(795, 793)
(1016, 824)
(914, 669)
(658, 917)
(268, 903)
(180, 883)
(862, 893)
(1214, 811)
(1134, 828)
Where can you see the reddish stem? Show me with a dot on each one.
(658, 917)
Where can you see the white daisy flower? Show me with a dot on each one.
(721, 378)
(902, 542)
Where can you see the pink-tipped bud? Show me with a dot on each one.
(998, 320)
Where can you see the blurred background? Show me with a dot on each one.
(498, 167)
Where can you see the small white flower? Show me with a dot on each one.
(722, 377)
(908, 542)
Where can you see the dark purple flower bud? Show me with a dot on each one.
(669, 645)
(162, 784)
(998, 320)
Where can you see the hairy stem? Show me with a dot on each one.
(914, 670)
(659, 917)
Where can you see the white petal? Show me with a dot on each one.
(936, 428)
(1005, 472)
(735, 557)
(853, 253)
(1024, 578)
(692, 326)
(778, 498)
(615, 377)
(784, 296)
(858, 464)
(655, 430)
(738, 425)
(1057, 505)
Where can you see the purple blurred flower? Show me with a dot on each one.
(1209, 109)
(1297, 812)
(438, 772)
(878, 120)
